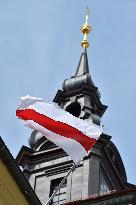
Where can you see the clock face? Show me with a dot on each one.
(103, 185)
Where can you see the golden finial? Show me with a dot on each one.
(86, 29)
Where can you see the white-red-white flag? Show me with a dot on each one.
(74, 135)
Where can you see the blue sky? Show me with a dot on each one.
(40, 47)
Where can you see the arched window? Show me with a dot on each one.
(74, 109)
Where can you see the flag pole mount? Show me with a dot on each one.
(61, 183)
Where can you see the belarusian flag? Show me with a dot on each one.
(74, 135)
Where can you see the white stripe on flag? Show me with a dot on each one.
(70, 146)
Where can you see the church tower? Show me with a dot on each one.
(44, 164)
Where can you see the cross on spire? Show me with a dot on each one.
(86, 29)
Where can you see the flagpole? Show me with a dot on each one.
(61, 183)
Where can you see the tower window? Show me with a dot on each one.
(74, 109)
(60, 196)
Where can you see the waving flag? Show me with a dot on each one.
(74, 135)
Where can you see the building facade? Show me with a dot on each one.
(14, 188)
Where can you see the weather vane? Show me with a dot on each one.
(86, 29)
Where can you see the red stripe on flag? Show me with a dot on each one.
(57, 127)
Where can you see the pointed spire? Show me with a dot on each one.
(82, 76)
(83, 67)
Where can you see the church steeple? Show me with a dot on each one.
(80, 97)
